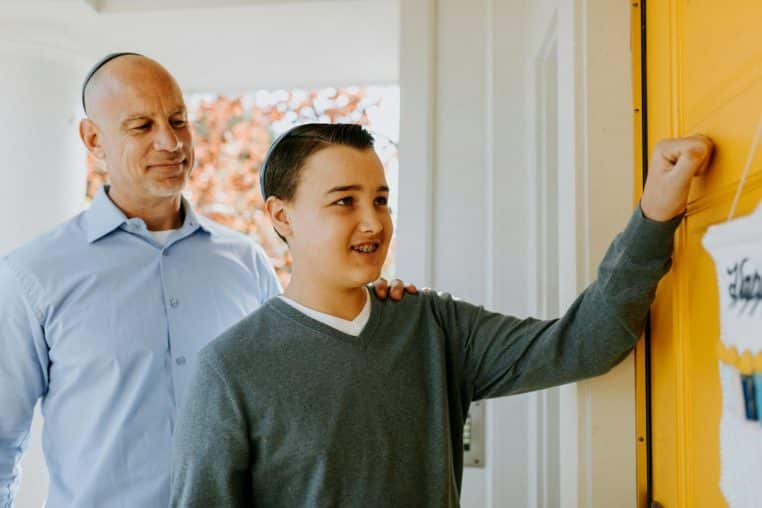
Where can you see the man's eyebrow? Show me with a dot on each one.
(345, 188)
(136, 116)
(147, 116)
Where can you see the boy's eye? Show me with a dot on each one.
(178, 124)
(381, 201)
(347, 201)
(142, 127)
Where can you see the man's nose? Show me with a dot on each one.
(166, 139)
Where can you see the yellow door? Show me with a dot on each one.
(703, 75)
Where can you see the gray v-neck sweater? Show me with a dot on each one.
(286, 411)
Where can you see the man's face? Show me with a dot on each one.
(143, 131)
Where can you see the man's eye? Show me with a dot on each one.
(179, 123)
(142, 127)
(382, 201)
(348, 201)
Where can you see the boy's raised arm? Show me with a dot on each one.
(503, 355)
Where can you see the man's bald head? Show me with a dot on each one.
(95, 68)
(118, 71)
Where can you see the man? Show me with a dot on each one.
(102, 317)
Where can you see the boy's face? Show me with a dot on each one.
(340, 226)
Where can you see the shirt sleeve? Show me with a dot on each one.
(210, 448)
(504, 355)
(267, 280)
(23, 373)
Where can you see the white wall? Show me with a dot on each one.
(470, 102)
(597, 453)
(463, 188)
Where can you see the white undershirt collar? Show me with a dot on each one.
(353, 327)
(162, 236)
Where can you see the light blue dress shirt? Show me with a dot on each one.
(104, 324)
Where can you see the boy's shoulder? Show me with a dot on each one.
(424, 300)
(250, 336)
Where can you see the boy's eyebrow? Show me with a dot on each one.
(345, 188)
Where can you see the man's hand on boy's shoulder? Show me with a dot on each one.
(674, 163)
(397, 291)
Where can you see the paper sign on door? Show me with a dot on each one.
(736, 248)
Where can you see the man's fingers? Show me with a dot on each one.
(381, 286)
(397, 289)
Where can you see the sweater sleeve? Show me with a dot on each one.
(504, 355)
(210, 447)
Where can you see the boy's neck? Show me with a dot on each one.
(343, 303)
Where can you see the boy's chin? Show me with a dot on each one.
(366, 278)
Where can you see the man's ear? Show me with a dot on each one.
(91, 138)
(278, 212)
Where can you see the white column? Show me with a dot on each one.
(42, 171)
(42, 163)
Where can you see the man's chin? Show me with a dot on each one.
(168, 187)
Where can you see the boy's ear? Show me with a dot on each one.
(90, 136)
(276, 209)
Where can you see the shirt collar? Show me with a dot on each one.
(104, 216)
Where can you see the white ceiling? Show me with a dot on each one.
(228, 45)
(156, 5)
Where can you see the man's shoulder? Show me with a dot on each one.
(223, 232)
(65, 239)
(231, 238)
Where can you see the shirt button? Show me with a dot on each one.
(180, 360)
(174, 302)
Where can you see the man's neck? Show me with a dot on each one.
(158, 214)
(342, 303)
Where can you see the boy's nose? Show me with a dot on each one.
(371, 223)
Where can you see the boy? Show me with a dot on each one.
(327, 396)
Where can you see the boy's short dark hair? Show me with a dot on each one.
(281, 168)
